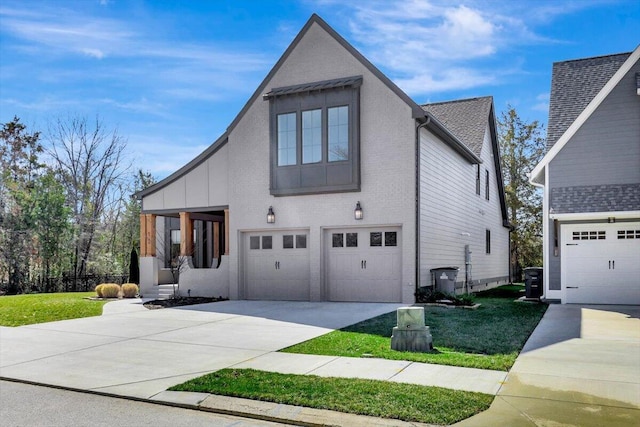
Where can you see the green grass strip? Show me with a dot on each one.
(19, 310)
(365, 397)
(489, 337)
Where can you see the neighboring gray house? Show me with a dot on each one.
(591, 181)
(332, 184)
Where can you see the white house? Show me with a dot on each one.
(591, 181)
(332, 184)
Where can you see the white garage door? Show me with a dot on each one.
(601, 263)
(277, 265)
(364, 264)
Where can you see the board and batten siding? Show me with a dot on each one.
(452, 215)
(207, 185)
(605, 150)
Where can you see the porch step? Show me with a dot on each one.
(159, 292)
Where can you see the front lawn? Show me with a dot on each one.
(489, 337)
(365, 397)
(18, 310)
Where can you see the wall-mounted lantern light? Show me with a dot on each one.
(271, 217)
(357, 213)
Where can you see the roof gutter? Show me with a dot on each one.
(417, 209)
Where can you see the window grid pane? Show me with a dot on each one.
(338, 138)
(337, 240)
(301, 241)
(375, 238)
(312, 136)
(287, 241)
(352, 240)
(267, 242)
(287, 139)
(390, 238)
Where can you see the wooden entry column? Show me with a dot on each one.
(186, 234)
(226, 231)
(147, 235)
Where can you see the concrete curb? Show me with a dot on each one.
(246, 408)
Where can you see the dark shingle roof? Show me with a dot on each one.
(596, 198)
(574, 84)
(466, 119)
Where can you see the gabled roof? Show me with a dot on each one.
(574, 84)
(465, 118)
(560, 108)
(417, 112)
(468, 119)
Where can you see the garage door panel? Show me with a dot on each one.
(364, 264)
(279, 269)
(601, 263)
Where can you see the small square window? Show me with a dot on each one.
(301, 241)
(352, 240)
(254, 242)
(375, 238)
(266, 242)
(390, 238)
(287, 241)
(338, 240)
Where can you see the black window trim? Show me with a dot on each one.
(488, 242)
(486, 184)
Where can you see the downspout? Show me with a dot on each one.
(417, 238)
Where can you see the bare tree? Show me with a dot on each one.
(90, 162)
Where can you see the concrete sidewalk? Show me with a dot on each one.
(137, 353)
(581, 366)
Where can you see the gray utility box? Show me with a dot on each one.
(533, 282)
(445, 279)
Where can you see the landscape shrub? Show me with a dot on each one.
(110, 290)
(129, 290)
(99, 290)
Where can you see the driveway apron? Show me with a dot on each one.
(137, 352)
(580, 367)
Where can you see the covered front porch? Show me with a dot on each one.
(186, 249)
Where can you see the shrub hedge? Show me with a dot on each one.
(129, 290)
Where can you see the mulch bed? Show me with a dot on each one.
(180, 301)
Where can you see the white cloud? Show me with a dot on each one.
(431, 46)
(138, 56)
(542, 102)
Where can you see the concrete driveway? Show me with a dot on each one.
(132, 351)
(580, 367)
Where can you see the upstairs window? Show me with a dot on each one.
(287, 139)
(338, 133)
(315, 137)
(478, 180)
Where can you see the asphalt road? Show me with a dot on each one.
(30, 406)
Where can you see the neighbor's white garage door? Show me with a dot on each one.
(601, 263)
(364, 264)
(276, 265)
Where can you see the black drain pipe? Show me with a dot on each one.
(420, 125)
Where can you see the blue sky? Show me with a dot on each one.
(171, 75)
